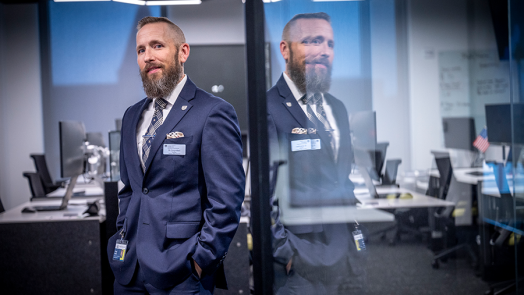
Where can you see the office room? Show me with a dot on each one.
(415, 104)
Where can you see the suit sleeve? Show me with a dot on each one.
(221, 156)
(124, 195)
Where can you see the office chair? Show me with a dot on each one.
(405, 218)
(378, 155)
(444, 219)
(35, 184)
(390, 174)
(45, 176)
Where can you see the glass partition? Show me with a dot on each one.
(394, 150)
(514, 227)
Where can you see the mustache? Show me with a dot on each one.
(320, 61)
(151, 66)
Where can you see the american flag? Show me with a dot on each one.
(481, 143)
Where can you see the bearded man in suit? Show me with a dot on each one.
(309, 129)
(181, 165)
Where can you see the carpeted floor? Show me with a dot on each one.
(406, 269)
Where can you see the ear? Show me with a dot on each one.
(183, 53)
(284, 50)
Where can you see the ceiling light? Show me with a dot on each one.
(78, 0)
(174, 2)
(137, 2)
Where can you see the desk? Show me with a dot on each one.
(418, 201)
(463, 174)
(368, 211)
(54, 252)
(90, 189)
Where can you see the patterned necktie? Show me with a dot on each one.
(156, 122)
(320, 114)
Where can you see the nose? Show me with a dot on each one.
(325, 50)
(148, 55)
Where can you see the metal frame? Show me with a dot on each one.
(258, 147)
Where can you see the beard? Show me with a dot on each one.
(311, 81)
(163, 86)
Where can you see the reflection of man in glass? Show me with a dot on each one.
(313, 258)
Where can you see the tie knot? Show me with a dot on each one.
(312, 100)
(160, 103)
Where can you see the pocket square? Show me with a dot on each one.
(176, 134)
(299, 131)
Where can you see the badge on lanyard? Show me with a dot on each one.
(359, 238)
(120, 248)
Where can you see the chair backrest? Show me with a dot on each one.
(390, 175)
(446, 172)
(35, 184)
(41, 167)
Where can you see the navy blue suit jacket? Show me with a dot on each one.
(183, 206)
(315, 179)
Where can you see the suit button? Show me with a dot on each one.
(145, 191)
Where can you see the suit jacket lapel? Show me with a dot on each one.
(175, 115)
(291, 104)
(136, 119)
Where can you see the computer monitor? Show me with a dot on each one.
(459, 133)
(363, 129)
(72, 138)
(72, 148)
(499, 122)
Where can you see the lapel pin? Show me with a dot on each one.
(288, 104)
(184, 108)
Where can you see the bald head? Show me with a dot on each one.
(174, 31)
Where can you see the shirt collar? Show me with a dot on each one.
(296, 93)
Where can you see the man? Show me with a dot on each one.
(309, 128)
(181, 164)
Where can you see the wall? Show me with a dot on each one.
(212, 22)
(434, 26)
(92, 75)
(389, 64)
(21, 128)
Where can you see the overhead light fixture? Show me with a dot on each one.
(150, 3)
(136, 2)
(268, 1)
(174, 2)
(79, 0)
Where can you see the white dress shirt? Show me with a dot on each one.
(327, 108)
(149, 112)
